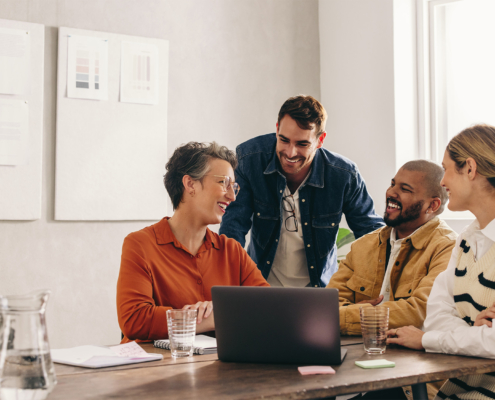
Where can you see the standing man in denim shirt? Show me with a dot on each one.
(293, 195)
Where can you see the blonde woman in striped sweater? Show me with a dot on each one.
(462, 302)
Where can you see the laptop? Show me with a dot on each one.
(277, 325)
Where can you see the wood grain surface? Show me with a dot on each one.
(205, 379)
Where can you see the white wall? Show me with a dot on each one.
(357, 87)
(232, 64)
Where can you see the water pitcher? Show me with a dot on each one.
(26, 368)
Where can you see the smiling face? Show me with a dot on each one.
(406, 199)
(457, 185)
(210, 199)
(296, 147)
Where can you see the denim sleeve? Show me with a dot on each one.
(237, 220)
(359, 209)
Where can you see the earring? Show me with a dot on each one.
(426, 211)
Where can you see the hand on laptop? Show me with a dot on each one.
(205, 315)
(373, 302)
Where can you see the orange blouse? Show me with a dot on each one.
(158, 274)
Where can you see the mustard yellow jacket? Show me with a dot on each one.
(421, 258)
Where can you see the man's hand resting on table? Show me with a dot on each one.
(205, 315)
(373, 302)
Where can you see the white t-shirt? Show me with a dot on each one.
(290, 266)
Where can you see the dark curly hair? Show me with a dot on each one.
(306, 111)
(192, 159)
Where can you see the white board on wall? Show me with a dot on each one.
(20, 185)
(110, 155)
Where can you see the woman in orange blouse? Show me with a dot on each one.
(174, 263)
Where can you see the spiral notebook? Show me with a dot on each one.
(202, 344)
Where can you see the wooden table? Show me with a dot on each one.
(204, 377)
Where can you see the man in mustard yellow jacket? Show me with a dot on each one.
(396, 265)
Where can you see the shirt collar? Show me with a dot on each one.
(488, 231)
(164, 235)
(418, 238)
(315, 176)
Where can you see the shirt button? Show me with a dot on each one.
(379, 260)
(258, 214)
(333, 223)
(199, 282)
(397, 263)
(316, 285)
(312, 267)
(276, 240)
(388, 290)
(303, 200)
(361, 288)
(305, 223)
(309, 245)
(281, 191)
(268, 262)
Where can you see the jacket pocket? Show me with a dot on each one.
(403, 291)
(361, 286)
(326, 229)
(265, 219)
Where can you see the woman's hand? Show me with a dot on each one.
(485, 317)
(407, 336)
(205, 308)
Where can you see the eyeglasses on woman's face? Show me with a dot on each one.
(228, 183)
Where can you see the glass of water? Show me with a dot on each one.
(374, 326)
(181, 331)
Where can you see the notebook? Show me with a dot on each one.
(277, 325)
(100, 357)
(202, 344)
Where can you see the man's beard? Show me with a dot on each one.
(410, 214)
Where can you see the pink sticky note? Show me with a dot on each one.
(315, 370)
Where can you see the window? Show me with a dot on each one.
(456, 79)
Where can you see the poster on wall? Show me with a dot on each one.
(139, 73)
(15, 50)
(14, 133)
(87, 68)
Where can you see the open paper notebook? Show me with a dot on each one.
(202, 344)
(99, 357)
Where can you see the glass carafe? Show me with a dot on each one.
(26, 368)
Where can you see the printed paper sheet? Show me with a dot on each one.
(15, 50)
(87, 68)
(139, 73)
(14, 135)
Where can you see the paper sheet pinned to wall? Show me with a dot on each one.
(87, 68)
(139, 73)
(15, 50)
(14, 134)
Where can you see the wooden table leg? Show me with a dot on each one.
(419, 391)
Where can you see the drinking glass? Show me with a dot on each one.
(181, 331)
(374, 326)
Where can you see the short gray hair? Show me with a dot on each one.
(433, 176)
(193, 159)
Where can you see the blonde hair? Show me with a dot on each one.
(476, 142)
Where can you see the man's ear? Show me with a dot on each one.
(471, 168)
(435, 204)
(321, 139)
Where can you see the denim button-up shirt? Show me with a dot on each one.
(333, 187)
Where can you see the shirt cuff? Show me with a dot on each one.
(431, 341)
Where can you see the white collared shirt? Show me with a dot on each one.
(445, 331)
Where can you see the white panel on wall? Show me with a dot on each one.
(20, 185)
(110, 155)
